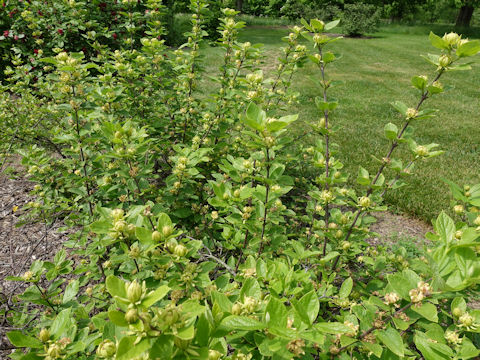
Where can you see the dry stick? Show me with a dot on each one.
(221, 262)
(44, 296)
(384, 164)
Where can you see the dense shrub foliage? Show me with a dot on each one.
(197, 235)
(359, 18)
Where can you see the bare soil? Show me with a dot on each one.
(20, 245)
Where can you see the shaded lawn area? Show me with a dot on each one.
(376, 71)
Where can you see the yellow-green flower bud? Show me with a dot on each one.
(444, 60)
(477, 221)
(411, 113)
(54, 351)
(214, 355)
(236, 309)
(167, 230)
(27, 276)
(44, 335)
(364, 202)
(156, 236)
(131, 316)
(457, 312)
(458, 209)
(451, 39)
(180, 250)
(466, 320)
(117, 214)
(134, 292)
(171, 244)
(106, 349)
(120, 225)
(421, 150)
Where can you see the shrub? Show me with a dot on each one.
(199, 238)
(359, 18)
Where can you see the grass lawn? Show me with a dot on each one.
(375, 72)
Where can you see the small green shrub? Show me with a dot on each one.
(359, 18)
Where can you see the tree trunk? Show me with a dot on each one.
(239, 5)
(464, 16)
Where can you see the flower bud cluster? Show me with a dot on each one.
(248, 306)
(392, 299)
(422, 291)
(296, 347)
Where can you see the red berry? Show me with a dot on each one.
(6, 33)
(60, 31)
(115, 36)
(35, 51)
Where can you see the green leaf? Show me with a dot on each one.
(469, 49)
(235, 322)
(203, 330)
(307, 307)
(116, 287)
(186, 333)
(437, 41)
(70, 291)
(400, 107)
(375, 349)
(430, 349)
(61, 323)
(330, 25)
(250, 288)
(254, 117)
(363, 177)
(427, 310)
(400, 285)
(163, 220)
(332, 328)
(419, 82)
(392, 340)
(222, 300)
(391, 131)
(445, 227)
(127, 349)
(317, 25)
(23, 341)
(155, 296)
(118, 318)
(325, 105)
(279, 124)
(276, 313)
(144, 235)
(101, 227)
(459, 302)
(346, 288)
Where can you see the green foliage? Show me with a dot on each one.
(195, 237)
(359, 18)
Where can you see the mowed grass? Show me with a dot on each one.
(376, 71)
